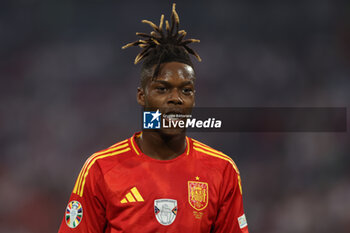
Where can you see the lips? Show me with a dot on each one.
(173, 117)
(174, 114)
(174, 111)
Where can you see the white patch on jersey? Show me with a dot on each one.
(165, 211)
(242, 221)
(74, 214)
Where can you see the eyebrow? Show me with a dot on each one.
(167, 83)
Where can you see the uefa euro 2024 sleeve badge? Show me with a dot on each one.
(165, 211)
(74, 214)
(198, 194)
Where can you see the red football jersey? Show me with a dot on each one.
(120, 189)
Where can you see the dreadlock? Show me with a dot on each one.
(162, 46)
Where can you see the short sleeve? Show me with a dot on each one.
(230, 217)
(85, 211)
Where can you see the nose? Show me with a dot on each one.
(175, 97)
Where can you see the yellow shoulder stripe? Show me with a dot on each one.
(218, 156)
(203, 146)
(210, 151)
(78, 182)
(118, 143)
(81, 190)
(197, 143)
(209, 148)
(133, 146)
(188, 146)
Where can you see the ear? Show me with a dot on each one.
(140, 97)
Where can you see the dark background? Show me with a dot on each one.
(68, 90)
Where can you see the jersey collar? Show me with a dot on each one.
(138, 152)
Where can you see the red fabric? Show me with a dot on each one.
(111, 178)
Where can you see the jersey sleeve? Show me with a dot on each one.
(231, 217)
(85, 211)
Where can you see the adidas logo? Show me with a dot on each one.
(132, 196)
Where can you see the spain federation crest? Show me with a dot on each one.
(74, 214)
(165, 211)
(198, 194)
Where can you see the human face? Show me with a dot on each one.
(172, 91)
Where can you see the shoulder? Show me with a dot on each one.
(101, 162)
(108, 157)
(105, 159)
(212, 154)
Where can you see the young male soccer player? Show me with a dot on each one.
(159, 181)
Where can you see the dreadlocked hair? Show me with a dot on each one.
(162, 46)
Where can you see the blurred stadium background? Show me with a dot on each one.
(68, 90)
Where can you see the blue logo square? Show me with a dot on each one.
(151, 120)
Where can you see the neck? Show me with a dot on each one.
(162, 146)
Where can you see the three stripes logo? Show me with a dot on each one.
(132, 196)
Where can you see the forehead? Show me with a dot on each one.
(175, 71)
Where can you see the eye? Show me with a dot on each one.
(161, 89)
(187, 91)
